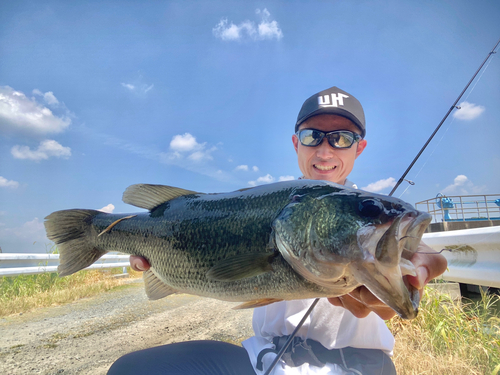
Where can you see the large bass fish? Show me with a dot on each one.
(283, 241)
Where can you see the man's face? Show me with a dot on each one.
(324, 162)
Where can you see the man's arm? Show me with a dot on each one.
(360, 302)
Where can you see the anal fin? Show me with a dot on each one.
(257, 303)
(155, 288)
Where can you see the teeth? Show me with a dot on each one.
(324, 167)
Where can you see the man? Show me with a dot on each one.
(343, 335)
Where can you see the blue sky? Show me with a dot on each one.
(98, 95)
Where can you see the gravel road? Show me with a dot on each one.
(87, 336)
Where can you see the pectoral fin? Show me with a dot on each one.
(241, 266)
(155, 288)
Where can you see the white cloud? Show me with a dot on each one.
(463, 186)
(49, 97)
(286, 178)
(241, 168)
(267, 179)
(138, 87)
(380, 185)
(108, 209)
(265, 29)
(128, 86)
(201, 155)
(33, 230)
(268, 29)
(468, 111)
(46, 149)
(8, 183)
(187, 144)
(168, 157)
(255, 169)
(19, 113)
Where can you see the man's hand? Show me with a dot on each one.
(360, 302)
(138, 263)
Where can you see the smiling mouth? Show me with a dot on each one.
(324, 167)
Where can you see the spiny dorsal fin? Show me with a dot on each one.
(155, 288)
(151, 196)
(241, 266)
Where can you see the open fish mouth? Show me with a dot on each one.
(409, 242)
(384, 271)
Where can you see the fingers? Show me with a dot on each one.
(360, 302)
(429, 266)
(138, 263)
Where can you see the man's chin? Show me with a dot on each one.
(331, 176)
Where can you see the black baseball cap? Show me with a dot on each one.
(333, 101)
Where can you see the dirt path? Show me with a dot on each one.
(87, 336)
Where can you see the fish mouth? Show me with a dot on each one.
(385, 265)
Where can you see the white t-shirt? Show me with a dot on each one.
(334, 327)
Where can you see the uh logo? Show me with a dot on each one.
(332, 100)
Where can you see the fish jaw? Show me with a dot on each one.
(388, 285)
(383, 270)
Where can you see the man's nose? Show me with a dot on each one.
(324, 150)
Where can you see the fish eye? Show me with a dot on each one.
(370, 208)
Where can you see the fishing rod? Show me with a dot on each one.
(315, 302)
(443, 120)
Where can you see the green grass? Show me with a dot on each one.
(24, 293)
(449, 337)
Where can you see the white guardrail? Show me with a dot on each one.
(475, 255)
(475, 258)
(13, 264)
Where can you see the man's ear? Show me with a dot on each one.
(295, 141)
(361, 147)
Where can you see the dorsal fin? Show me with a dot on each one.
(151, 196)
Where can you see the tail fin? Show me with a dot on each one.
(70, 230)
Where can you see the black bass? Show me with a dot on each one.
(283, 241)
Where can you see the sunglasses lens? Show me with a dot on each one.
(341, 139)
(310, 137)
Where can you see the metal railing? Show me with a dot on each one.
(473, 256)
(462, 207)
(14, 264)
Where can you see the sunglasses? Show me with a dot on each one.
(336, 139)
